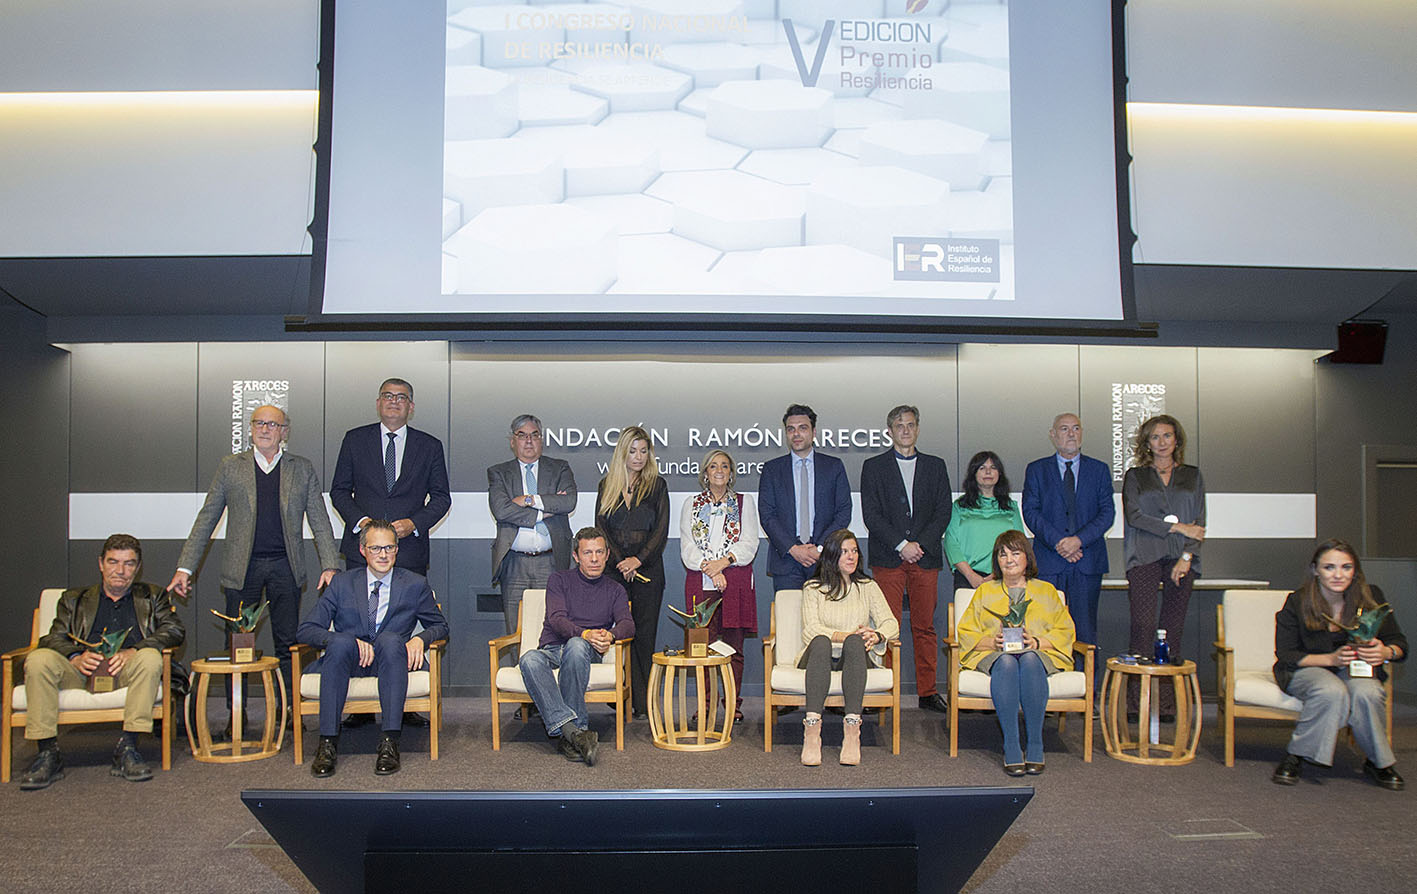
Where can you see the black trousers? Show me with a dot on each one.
(646, 601)
(273, 579)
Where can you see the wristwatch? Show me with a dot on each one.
(1186, 556)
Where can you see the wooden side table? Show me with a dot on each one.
(238, 749)
(670, 727)
(1117, 736)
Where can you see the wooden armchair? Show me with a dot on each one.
(784, 683)
(75, 705)
(609, 679)
(1068, 691)
(1244, 660)
(425, 693)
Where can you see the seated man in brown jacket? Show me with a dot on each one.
(63, 659)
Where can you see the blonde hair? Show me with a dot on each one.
(703, 470)
(617, 477)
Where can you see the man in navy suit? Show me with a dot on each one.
(391, 471)
(1067, 504)
(373, 609)
(906, 503)
(802, 497)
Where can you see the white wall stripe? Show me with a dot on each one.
(168, 516)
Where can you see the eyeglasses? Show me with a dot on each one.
(527, 436)
(267, 424)
(394, 397)
(382, 550)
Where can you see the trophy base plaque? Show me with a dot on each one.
(102, 679)
(243, 648)
(696, 640)
(1359, 668)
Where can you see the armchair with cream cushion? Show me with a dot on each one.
(75, 705)
(609, 676)
(785, 683)
(1068, 691)
(425, 692)
(1244, 658)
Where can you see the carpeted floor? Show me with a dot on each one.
(1099, 827)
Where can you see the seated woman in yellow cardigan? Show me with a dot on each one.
(1017, 679)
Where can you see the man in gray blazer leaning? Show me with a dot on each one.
(266, 494)
(531, 498)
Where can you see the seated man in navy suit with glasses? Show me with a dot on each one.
(374, 609)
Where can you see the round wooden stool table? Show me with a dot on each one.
(238, 749)
(1117, 737)
(669, 702)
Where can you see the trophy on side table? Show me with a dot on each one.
(242, 631)
(104, 678)
(1362, 631)
(695, 624)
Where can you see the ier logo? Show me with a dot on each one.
(945, 259)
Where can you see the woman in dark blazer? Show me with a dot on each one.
(1163, 506)
(1315, 662)
(632, 508)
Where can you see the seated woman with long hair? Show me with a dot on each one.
(1017, 680)
(1313, 662)
(846, 623)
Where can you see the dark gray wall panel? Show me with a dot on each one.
(134, 419)
(1257, 408)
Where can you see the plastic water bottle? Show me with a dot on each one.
(1163, 648)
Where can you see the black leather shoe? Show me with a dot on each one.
(386, 760)
(129, 764)
(323, 766)
(935, 702)
(1015, 769)
(354, 721)
(1385, 776)
(1287, 773)
(588, 744)
(566, 745)
(1033, 769)
(416, 720)
(46, 769)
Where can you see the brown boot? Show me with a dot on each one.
(812, 740)
(851, 740)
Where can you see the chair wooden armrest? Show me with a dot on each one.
(501, 642)
(1083, 648)
(625, 641)
(437, 644)
(15, 654)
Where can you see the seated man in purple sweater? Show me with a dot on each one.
(586, 612)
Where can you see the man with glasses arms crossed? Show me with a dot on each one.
(267, 494)
(531, 498)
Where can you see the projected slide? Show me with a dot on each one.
(777, 160)
(729, 147)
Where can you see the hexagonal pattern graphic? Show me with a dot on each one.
(793, 167)
(685, 21)
(942, 150)
(769, 114)
(710, 64)
(535, 248)
(486, 173)
(597, 161)
(479, 104)
(968, 93)
(868, 207)
(463, 47)
(636, 87)
(510, 38)
(731, 210)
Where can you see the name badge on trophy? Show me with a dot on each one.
(1359, 668)
(1013, 639)
(104, 678)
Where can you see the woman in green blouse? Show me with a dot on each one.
(981, 514)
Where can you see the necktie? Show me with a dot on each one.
(531, 489)
(1070, 496)
(374, 609)
(390, 464)
(804, 504)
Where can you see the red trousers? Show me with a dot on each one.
(921, 585)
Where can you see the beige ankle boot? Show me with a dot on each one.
(812, 740)
(851, 740)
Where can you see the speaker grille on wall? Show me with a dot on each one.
(1360, 341)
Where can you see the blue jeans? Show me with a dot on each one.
(1019, 680)
(559, 698)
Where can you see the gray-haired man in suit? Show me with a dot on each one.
(532, 498)
(267, 494)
